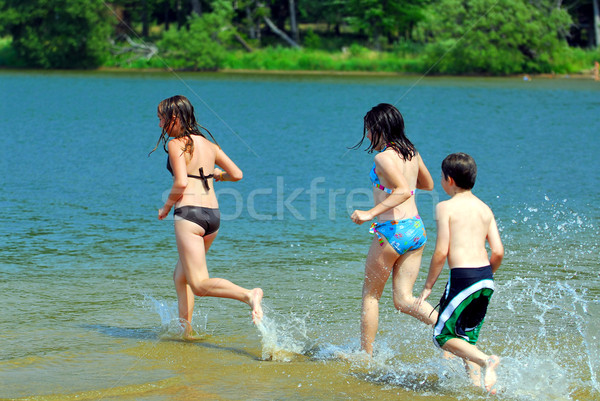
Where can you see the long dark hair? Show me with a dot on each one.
(386, 125)
(179, 107)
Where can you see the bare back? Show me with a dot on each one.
(393, 171)
(469, 222)
(203, 157)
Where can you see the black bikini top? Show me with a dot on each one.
(202, 177)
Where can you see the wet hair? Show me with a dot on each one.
(386, 125)
(179, 107)
(462, 168)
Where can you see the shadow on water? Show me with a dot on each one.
(124, 332)
(159, 334)
(413, 381)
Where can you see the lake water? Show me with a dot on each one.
(88, 305)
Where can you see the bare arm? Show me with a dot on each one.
(180, 180)
(493, 238)
(442, 245)
(397, 183)
(231, 171)
(424, 180)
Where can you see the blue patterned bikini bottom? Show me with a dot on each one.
(403, 235)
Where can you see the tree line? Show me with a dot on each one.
(452, 36)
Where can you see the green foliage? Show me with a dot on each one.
(8, 56)
(490, 36)
(357, 50)
(285, 59)
(575, 60)
(385, 21)
(453, 37)
(312, 40)
(58, 33)
(203, 45)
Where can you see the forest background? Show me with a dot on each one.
(489, 37)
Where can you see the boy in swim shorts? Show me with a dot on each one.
(464, 224)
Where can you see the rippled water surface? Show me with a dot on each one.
(88, 305)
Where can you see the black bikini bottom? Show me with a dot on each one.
(207, 218)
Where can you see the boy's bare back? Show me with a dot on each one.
(467, 222)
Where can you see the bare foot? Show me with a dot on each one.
(474, 373)
(256, 296)
(490, 373)
(186, 328)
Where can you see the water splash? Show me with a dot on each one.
(550, 317)
(171, 326)
(548, 338)
(283, 338)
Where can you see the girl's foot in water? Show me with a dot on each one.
(255, 300)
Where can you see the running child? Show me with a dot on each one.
(464, 223)
(396, 250)
(191, 161)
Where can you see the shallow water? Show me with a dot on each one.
(88, 305)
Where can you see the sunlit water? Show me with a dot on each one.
(88, 305)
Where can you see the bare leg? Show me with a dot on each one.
(474, 372)
(185, 295)
(471, 353)
(406, 271)
(192, 257)
(185, 299)
(377, 270)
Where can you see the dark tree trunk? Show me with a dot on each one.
(597, 22)
(196, 7)
(145, 24)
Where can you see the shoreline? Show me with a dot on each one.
(581, 75)
(587, 75)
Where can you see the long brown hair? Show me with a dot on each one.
(386, 125)
(179, 108)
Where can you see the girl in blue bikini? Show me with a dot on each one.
(196, 214)
(400, 236)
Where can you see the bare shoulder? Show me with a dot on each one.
(443, 207)
(205, 143)
(176, 144)
(382, 157)
(483, 206)
(387, 160)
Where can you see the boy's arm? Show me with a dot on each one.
(493, 238)
(442, 245)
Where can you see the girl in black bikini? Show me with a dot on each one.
(196, 213)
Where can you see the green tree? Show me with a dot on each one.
(331, 12)
(385, 21)
(491, 36)
(58, 33)
(203, 44)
